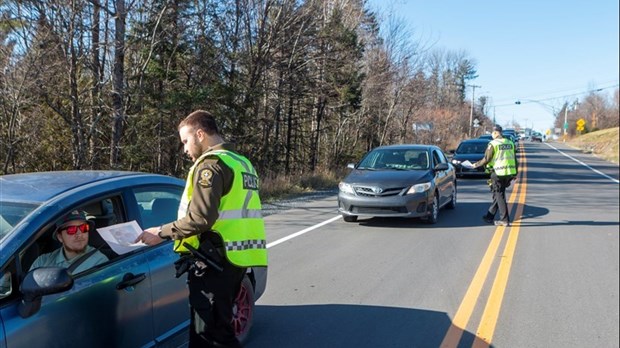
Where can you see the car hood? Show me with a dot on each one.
(388, 178)
(468, 156)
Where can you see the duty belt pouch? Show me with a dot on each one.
(209, 250)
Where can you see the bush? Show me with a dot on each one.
(276, 186)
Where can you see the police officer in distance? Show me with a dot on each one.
(501, 162)
(220, 208)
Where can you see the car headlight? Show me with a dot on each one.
(346, 188)
(454, 161)
(419, 188)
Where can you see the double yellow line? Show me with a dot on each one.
(486, 327)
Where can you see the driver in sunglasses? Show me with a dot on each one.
(72, 232)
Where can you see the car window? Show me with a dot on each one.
(443, 157)
(11, 213)
(399, 159)
(157, 206)
(100, 213)
(471, 148)
(436, 158)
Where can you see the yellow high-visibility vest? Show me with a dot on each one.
(240, 222)
(503, 162)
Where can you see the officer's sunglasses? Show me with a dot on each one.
(71, 230)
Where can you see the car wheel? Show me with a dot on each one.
(243, 310)
(349, 218)
(452, 203)
(432, 218)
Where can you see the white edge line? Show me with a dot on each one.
(297, 234)
(583, 164)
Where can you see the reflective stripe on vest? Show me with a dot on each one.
(240, 222)
(503, 162)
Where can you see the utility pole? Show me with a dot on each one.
(471, 112)
(565, 122)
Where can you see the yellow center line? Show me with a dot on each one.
(486, 328)
(466, 308)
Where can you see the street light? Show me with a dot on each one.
(554, 112)
(471, 110)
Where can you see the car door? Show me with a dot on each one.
(107, 306)
(442, 179)
(100, 310)
(158, 205)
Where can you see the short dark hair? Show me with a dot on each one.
(497, 128)
(201, 119)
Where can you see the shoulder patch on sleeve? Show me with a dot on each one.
(205, 177)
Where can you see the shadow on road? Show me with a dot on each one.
(339, 325)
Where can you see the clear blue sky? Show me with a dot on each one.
(545, 50)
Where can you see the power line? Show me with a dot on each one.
(560, 97)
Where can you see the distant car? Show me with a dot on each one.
(399, 181)
(486, 137)
(512, 135)
(513, 139)
(134, 300)
(511, 132)
(536, 137)
(471, 150)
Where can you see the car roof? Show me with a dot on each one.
(42, 186)
(477, 140)
(406, 147)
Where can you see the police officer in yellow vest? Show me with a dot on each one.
(220, 207)
(501, 162)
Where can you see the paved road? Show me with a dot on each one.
(549, 280)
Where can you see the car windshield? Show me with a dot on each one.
(11, 213)
(465, 148)
(405, 159)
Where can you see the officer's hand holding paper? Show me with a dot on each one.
(121, 237)
(467, 164)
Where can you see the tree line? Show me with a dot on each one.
(297, 85)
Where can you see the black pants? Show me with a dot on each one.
(211, 298)
(499, 184)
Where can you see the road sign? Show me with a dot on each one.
(581, 122)
(565, 125)
(580, 128)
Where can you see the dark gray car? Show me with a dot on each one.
(399, 181)
(471, 150)
(133, 300)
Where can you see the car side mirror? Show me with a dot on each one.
(452, 151)
(441, 166)
(40, 282)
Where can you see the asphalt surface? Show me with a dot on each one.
(549, 280)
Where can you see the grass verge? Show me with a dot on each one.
(602, 143)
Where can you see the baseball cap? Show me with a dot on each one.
(72, 216)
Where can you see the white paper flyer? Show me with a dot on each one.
(121, 237)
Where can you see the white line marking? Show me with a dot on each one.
(297, 234)
(583, 164)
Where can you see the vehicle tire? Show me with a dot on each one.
(452, 203)
(349, 218)
(434, 210)
(243, 310)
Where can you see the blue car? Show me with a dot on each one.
(132, 300)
